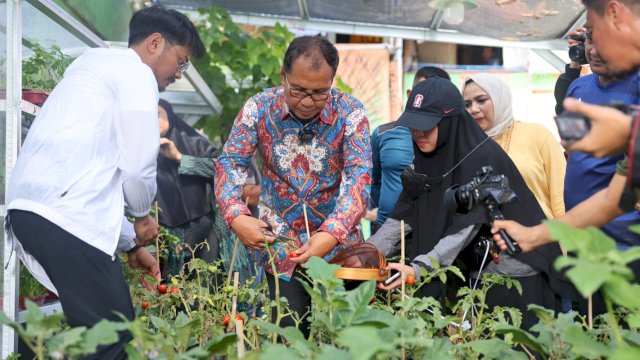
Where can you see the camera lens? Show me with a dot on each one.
(577, 53)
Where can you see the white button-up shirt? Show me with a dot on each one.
(92, 148)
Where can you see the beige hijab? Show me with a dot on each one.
(500, 95)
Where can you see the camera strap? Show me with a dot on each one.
(463, 159)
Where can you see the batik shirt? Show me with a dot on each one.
(324, 164)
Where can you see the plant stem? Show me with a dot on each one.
(614, 323)
(40, 347)
(274, 337)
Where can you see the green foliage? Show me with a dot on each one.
(45, 68)
(345, 325)
(597, 264)
(29, 286)
(48, 338)
(237, 65)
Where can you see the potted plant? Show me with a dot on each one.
(30, 289)
(41, 72)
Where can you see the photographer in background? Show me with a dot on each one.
(586, 174)
(577, 54)
(450, 147)
(614, 26)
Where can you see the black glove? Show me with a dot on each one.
(414, 183)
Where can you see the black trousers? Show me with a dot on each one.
(90, 284)
(299, 300)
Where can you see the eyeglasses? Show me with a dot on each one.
(183, 65)
(301, 94)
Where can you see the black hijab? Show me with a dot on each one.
(183, 198)
(462, 149)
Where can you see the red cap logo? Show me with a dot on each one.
(417, 101)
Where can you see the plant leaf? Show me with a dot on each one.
(521, 337)
(363, 342)
(219, 344)
(583, 344)
(358, 301)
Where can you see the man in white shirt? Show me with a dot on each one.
(91, 152)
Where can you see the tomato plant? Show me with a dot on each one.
(410, 280)
(162, 288)
(226, 319)
(174, 290)
(144, 305)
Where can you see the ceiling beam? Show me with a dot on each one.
(580, 21)
(437, 19)
(304, 9)
(68, 22)
(402, 32)
(203, 90)
(552, 59)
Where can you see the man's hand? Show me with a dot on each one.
(169, 150)
(408, 270)
(141, 259)
(146, 230)
(610, 129)
(371, 215)
(320, 244)
(527, 238)
(251, 231)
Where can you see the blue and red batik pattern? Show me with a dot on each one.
(329, 171)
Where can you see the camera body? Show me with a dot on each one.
(492, 191)
(577, 52)
(483, 188)
(573, 126)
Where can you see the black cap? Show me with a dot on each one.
(430, 101)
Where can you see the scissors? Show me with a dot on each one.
(280, 238)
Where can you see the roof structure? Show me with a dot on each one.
(536, 24)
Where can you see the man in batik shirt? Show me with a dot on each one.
(314, 145)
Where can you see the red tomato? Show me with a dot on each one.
(226, 319)
(239, 317)
(174, 290)
(410, 280)
(293, 254)
(372, 300)
(162, 288)
(144, 305)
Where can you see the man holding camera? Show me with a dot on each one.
(613, 26)
(586, 174)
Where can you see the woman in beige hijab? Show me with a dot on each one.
(537, 155)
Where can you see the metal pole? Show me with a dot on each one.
(12, 141)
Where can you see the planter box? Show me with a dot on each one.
(38, 299)
(36, 97)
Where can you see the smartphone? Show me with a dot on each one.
(392, 278)
(572, 126)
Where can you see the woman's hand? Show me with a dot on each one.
(408, 270)
(169, 150)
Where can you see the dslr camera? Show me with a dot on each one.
(492, 191)
(577, 52)
(573, 127)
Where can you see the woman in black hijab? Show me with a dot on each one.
(449, 149)
(186, 165)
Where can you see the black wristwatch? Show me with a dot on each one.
(133, 249)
